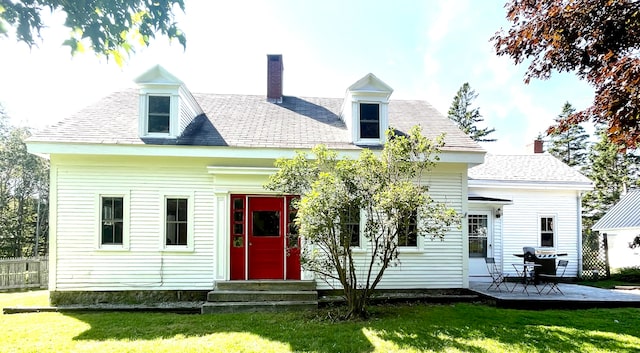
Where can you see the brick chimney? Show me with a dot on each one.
(538, 146)
(274, 78)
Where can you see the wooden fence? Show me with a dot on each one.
(24, 273)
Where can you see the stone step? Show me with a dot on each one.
(266, 285)
(260, 295)
(263, 306)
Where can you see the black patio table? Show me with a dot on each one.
(525, 273)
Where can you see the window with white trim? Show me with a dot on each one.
(178, 222)
(158, 114)
(369, 121)
(547, 233)
(112, 214)
(478, 226)
(408, 230)
(350, 226)
(112, 221)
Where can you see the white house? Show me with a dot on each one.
(161, 189)
(621, 224)
(525, 200)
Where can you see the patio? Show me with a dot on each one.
(575, 297)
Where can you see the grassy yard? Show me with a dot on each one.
(395, 328)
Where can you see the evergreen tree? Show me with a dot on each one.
(612, 172)
(569, 146)
(467, 119)
(24, 192)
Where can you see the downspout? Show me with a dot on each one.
(579, 249)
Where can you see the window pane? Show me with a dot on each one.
(117, 208)
(237, 229)
(177, 221)
(172, 209)
(182, 234)
(107, 208)
(112, 221)
(350, 224)
(546, 231)
(159, 104)
(266, 223)
(182, 210)
(159, 112)
(408, 231)
(107, 233)
(369, 120)
(117, 233)
(238, 216)
(237, 204)
(478, 231)
(171, 233)
(159, 123)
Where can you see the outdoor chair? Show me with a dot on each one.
(497, 277)
(553, 280)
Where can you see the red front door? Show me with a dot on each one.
(266, 229)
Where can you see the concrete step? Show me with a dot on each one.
(263, 306)
(260, 295)
(266, 285)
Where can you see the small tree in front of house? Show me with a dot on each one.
(375, 203)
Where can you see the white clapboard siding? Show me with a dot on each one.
(81, 265)
(435, 263)
(520, 223)
(188, 108)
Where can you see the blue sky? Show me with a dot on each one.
(423, 49)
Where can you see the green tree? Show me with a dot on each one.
(599, 40)
(570, 146)
(24, 185)
(388, 187)
(467, 119)
(112, 28)
(612, 173)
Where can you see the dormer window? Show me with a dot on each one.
(159, 114)
(166, 107)
(369, 121)
(366, 111)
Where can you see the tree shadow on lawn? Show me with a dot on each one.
(467, 328)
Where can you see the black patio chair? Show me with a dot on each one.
(553, 280)
(497, 277)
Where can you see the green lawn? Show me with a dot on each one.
(396, 328)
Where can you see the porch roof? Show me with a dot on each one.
(622, 215)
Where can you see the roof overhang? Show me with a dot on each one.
(617, 229)
(489, 200)
(544, 185)
(129, 149)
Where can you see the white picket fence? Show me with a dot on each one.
(24, 273)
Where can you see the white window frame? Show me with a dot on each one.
(360, 228)
(190, 222)
(489, 236)
(418, 246)
(554, 219)
(126, 212)
(144, 113)
(383, 111)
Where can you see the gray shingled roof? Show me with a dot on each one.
(624, 214)
(526, 168)
(247, 121)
